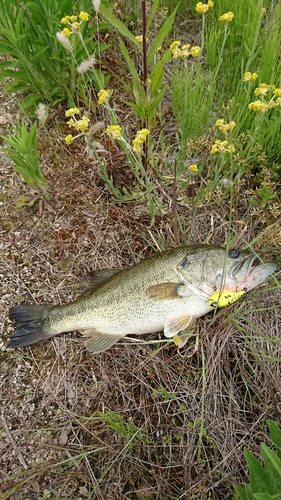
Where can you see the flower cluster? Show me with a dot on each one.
(140, 139)
(203, 7)
(114, 131)
(74, 22)
(250, 77)
(139, 38)
(263, 89)
(193, 168)
(81, 125)
(103, 95)
(225, 127)
(222, 147)
(227, 17)
(185, 51)
(260, 105)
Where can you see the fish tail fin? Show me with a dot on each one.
(30, 321)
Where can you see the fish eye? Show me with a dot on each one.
(234, 254)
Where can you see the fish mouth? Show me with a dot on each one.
(252, 271)
(253, 264)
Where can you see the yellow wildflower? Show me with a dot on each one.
(64, 20)
(183, 51)
(250, 77)
(227, 18)
(262, 89)
(138, 38)
(177, 52)
(159, 48)
(222, 147)
(272, 104)
(75, 26)
(114, 131)
(82, 124)
(71, 122)
(225, 127)
(174, 45)
(103, 95)
(195, 51)
(72, 111)
(193, 168)
(140, 139)
(276, 91)
(84, 16)
(68, 139)
(66, 32)
(202, 7)
(219, 122)
(258, 106)
(210, 3)
(72, 19)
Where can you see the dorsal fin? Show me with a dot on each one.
(97, 278)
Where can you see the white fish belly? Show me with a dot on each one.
(140, 318)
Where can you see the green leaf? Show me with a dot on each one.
(25, 201)
(139, 92)
(258, 477)
(161, 35)
(129, 61)
(267, 496)
(154, 10)
(118, 25)
(7, 73)
(154, 102)
(275, 433)
(138, 109)
(241, 494)
(272, 464)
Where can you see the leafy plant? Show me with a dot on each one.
(265, 480)
(23, 152)
(125, 428)
(38, 64)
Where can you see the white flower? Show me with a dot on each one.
(86, 65)
(96, 4)
(42, 112)
(64, 41)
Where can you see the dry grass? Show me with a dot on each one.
(182, 421)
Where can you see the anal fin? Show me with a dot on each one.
(173, 327)
(98, 342)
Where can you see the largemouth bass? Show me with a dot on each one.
(166, 292)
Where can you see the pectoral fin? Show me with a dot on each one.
(163, 291)
(99, 342)
(173, 327)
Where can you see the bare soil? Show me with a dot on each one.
(183, 419)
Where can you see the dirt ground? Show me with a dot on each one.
(141, 420)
